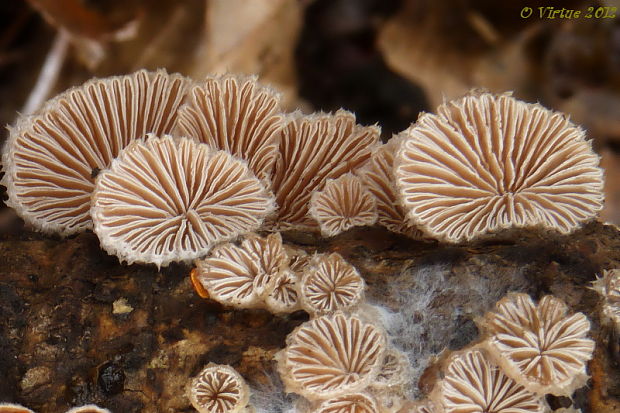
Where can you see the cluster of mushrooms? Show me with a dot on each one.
(166, 169)
(341, 360)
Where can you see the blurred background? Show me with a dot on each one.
(385, 60)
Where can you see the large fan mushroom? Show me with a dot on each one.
(487, 162)
(540, 346)
(51, 159)
(166, 199)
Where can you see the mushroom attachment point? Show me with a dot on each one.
(51, 158)
(473, 384)
(487, 162)
(540, 346)
(219, 389)
(165, 200)
(331, 355)
(349, 403)
(342, 204)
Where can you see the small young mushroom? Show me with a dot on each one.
(13, 408)
(235, 114)
(329, 284)
(284, 297)
(343, 203)
(394, 373)
(219, 389)
(330, 356)
(51, 158)
(473, 384)
(349, 403)
(243, 276)
(488, 162)
(89, 408)
(165, 200)
(540, 347)
(313, 149)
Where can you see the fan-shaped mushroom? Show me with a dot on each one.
(165, 200)
(343, 203)
(219, 389)
(329, 284)
(284, 297)
(312, 149)
(488, 162)
(541, 347)
(331, 355)
(473, 384)
(51, 158)
(243, 276)
(236, 114)
(378, 177)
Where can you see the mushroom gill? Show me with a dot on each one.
(313, 149)
(331, 355)
(165, 200)
(473, 384)
(342, 204)
(488, 162)
(235, 114)
(378, 176)
(51, 158)
(219, 389)
(540, 346)
(329, 284)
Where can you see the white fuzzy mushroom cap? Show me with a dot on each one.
(89, 408)
(165, 200)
